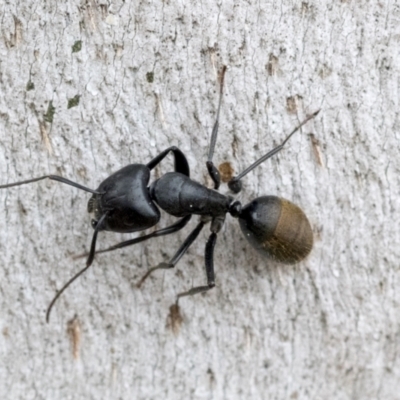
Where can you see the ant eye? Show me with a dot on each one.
(94, 223)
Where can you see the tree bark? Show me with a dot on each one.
(89, 87)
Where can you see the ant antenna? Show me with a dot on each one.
(236, 186)
(54, 178)
(89, 262)
(96, 230)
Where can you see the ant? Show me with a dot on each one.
(125, 203)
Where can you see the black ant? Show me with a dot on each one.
(125, 202)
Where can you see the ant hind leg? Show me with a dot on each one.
(216, 226)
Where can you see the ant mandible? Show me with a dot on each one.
(124, 202)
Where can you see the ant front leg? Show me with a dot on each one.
(216, 226)
(89, 262)
(181, 164)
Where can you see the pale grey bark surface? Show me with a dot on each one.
(328, 328)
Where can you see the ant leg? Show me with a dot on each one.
(178, 255)
(161, 232)
(236, 186)
(209, 259)
(181, 164)
(211, 168)
(89, 262)
(216, 226)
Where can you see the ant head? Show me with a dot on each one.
(125, 198)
